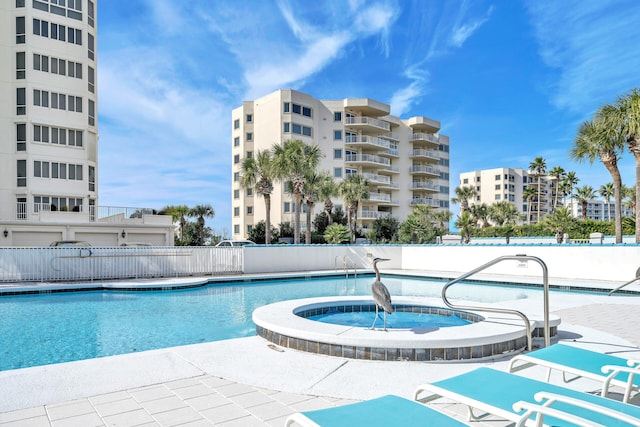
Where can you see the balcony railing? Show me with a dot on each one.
(370, 140)
(418, 185)
(31, 211)
(384, 198)
(425, 153)
(367, 158)
(373, 214)
(420, 136)
(363, 120)
(424, 201)
(424, 169)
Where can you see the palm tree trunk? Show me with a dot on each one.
(296, 218)
(308, 230)
(539, 196)
(636, 155)
(355, 222)
(617, 199)
(267, 219)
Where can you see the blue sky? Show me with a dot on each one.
(509, 80)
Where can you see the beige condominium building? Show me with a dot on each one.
(49, 125)
(508, 184)
(406, 161)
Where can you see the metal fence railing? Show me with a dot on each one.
(101, 263)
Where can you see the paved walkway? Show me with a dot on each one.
(244, 382)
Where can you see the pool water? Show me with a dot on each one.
(61, 327)
(396, 320)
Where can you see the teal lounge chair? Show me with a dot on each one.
(505, 395)
(605, 368)
(384, 411)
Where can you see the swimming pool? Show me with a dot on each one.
(51, 328)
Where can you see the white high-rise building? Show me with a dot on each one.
(49, 128)
(406, 161)
(48, 117)
(508, 184)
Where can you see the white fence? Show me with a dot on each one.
(100, 263)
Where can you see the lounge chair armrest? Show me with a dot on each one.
(532, 410)
(633, 363)
(548, 399)
(299, 419)
(616, 369)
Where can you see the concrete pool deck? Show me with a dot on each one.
(247, 382)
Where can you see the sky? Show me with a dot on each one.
(508, 80)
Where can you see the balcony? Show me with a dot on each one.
(367, 124)
(45, 212)
(366, 141)
(424, 186)
(424, 201)
(384, 199)
(431, 139)
(424, 170)
(380, 180)
(373, 215)
(367, 159)
(430, 156)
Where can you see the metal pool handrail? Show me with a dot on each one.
(527, 323)
(625, 284)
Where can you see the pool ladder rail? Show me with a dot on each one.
(612, 291)
(347, 263)
(527, 323)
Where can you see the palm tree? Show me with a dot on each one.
(630, 194)
(607, 191)
(463, 194)
(539, 168)
(177, 215)
(201, 212)
(625, 117)
(310, 193)
(597, 140)
(583, 195)
(336, 234)
(570, 181)
(465, 223)
(480, 213)
(353, 189)
(557, 173)
(293, 161)
(528, 194)
(258, 173)
(504, 213)
(560, 222)
(443, 217)
(327, 189)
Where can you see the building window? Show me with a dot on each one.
(249, 117)
(21, 169)
(21, 66)
(91, 13)
(249, 192)
(236, 194)
(297, 109)
(337, 116)
(21, 137)
(497, 177)
(465, 181)
(236, 229)
(92, 112)
(497, 186)
(306, 130)
(306, 111)
(236, 124)
(236, 159)
(287, 127)
(91, 79)
(19, 3)
(337, 172)
(249, 136)
(287, 107)
(337, 153)
(40, 28)
(90, 46)
(249, 154)
(249, 228)
(20, 30)
(92, 178)
(337, 135)
(287, 207)
(21, 101)
(249, 210)
(236, 176)
(236, 141)
(236, 211)
(497, 197)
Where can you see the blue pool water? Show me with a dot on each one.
(60, 327)
(396, 320)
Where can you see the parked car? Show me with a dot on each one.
(136, 244)
(231, 243)
(69, 243)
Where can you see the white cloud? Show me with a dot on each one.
(462, 32)
(592, 46)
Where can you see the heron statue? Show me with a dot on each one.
(380, 294)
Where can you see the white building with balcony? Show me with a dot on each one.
(49, 128)
(508, 184)
(405, 161)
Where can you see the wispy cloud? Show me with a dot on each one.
(442, 32)
(592, 45)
